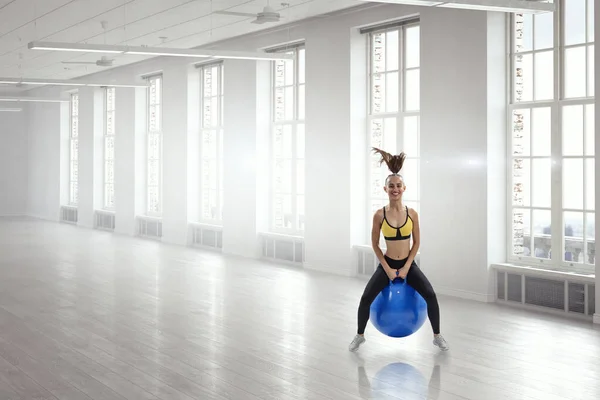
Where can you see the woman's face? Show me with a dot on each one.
(395, 187)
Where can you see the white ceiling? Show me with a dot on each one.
(184, 24)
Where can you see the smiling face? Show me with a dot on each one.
(394, 187)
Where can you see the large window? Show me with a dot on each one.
(109, 149)
(211, 177)
(74, 150)
(287, 148)
(154, 143)
(552, 218)
(394, 103)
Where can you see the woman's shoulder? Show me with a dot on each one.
(413, 213)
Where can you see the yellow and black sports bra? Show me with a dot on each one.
(392, 233)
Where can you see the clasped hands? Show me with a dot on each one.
(397, 273)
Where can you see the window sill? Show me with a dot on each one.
(277, 235)
(545, 272)
(212, 226)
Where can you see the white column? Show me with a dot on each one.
(597, 152)
(85, 205)
(459, 113)
(246, 109)
(328, 149)
(125, 156)
(175, 132)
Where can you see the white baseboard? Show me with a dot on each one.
(597, 318)
(463, 294)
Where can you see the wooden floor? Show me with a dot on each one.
(89, 315)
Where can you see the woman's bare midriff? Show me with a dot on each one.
(397, 249)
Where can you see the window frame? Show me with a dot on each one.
(556, 261)
(219, 132)
(295, 122)
(400, 116)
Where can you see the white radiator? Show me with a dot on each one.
(104, 220)
(206, 236)
(149, 227)
(289, 249)
(68, 214)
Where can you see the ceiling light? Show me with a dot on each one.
(10, 109)
(68, 82)
(510, 6)
(159, 51)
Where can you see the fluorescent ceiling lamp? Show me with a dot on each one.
(34, 99)
(67, 82)
(10, 109)
(158, 51)
(510, 6)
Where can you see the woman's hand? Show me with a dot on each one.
(391, 273)
(402, 272)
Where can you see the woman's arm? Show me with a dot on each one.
(375, 233)
(416, 234)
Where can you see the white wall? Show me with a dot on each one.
(13, 161)
(597, 151)
(463, 147)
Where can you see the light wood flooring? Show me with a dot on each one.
(90, 315)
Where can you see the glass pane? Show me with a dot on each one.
(289, 103)
(74, 154)
(208, 82)
(523, 78)
(521, 231)
(541, 233)
(74, 193)
(74, 127)
(109, 171)
(575, 18)
(521, 182)
(572, 130)
(283, 141)
(413, 53)
(74, 175)
(590, 20)
(301, 66)
(376, 133)
(541, 127)
(153, 147)
(412, 90)
(392, 48)
(153, 173)
(523, 32)
(411, 135)
(540, 182)
(590, 71)
(110, 123)
(153, 119)
(300, 141)
(378, 55)
(590, 184)
(283, 176)
(300, 177)
(575, 77)
(153, 205)
(573, 224)
(300, 208)
(521, 132)
(279, 104)
(590, 234)
(544, 75)
(544, 31)
(109, 195)
(390, 135)
(410, 173)
(378, 94)
(589, 130)
(392, 91)
(279, 73)
(289, 72)
(573, 183)
(301, 102)
(109, 148)
(74, 105)
(283, 211)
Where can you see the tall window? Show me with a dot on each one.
(109, 148)
(154, 136)
(552, 218)
(211, 177)
(288, 85)
(74, 150)
(394, 103)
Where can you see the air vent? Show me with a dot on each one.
(68, 214)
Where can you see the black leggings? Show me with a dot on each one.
(414, 278)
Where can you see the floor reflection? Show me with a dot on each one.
(398, 380)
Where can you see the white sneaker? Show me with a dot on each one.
(356, 342)
(440, 342)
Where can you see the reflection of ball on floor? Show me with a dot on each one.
(398, 311)
(397, 377)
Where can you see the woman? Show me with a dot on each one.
(397, 223)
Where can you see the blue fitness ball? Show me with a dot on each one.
(398, 310)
